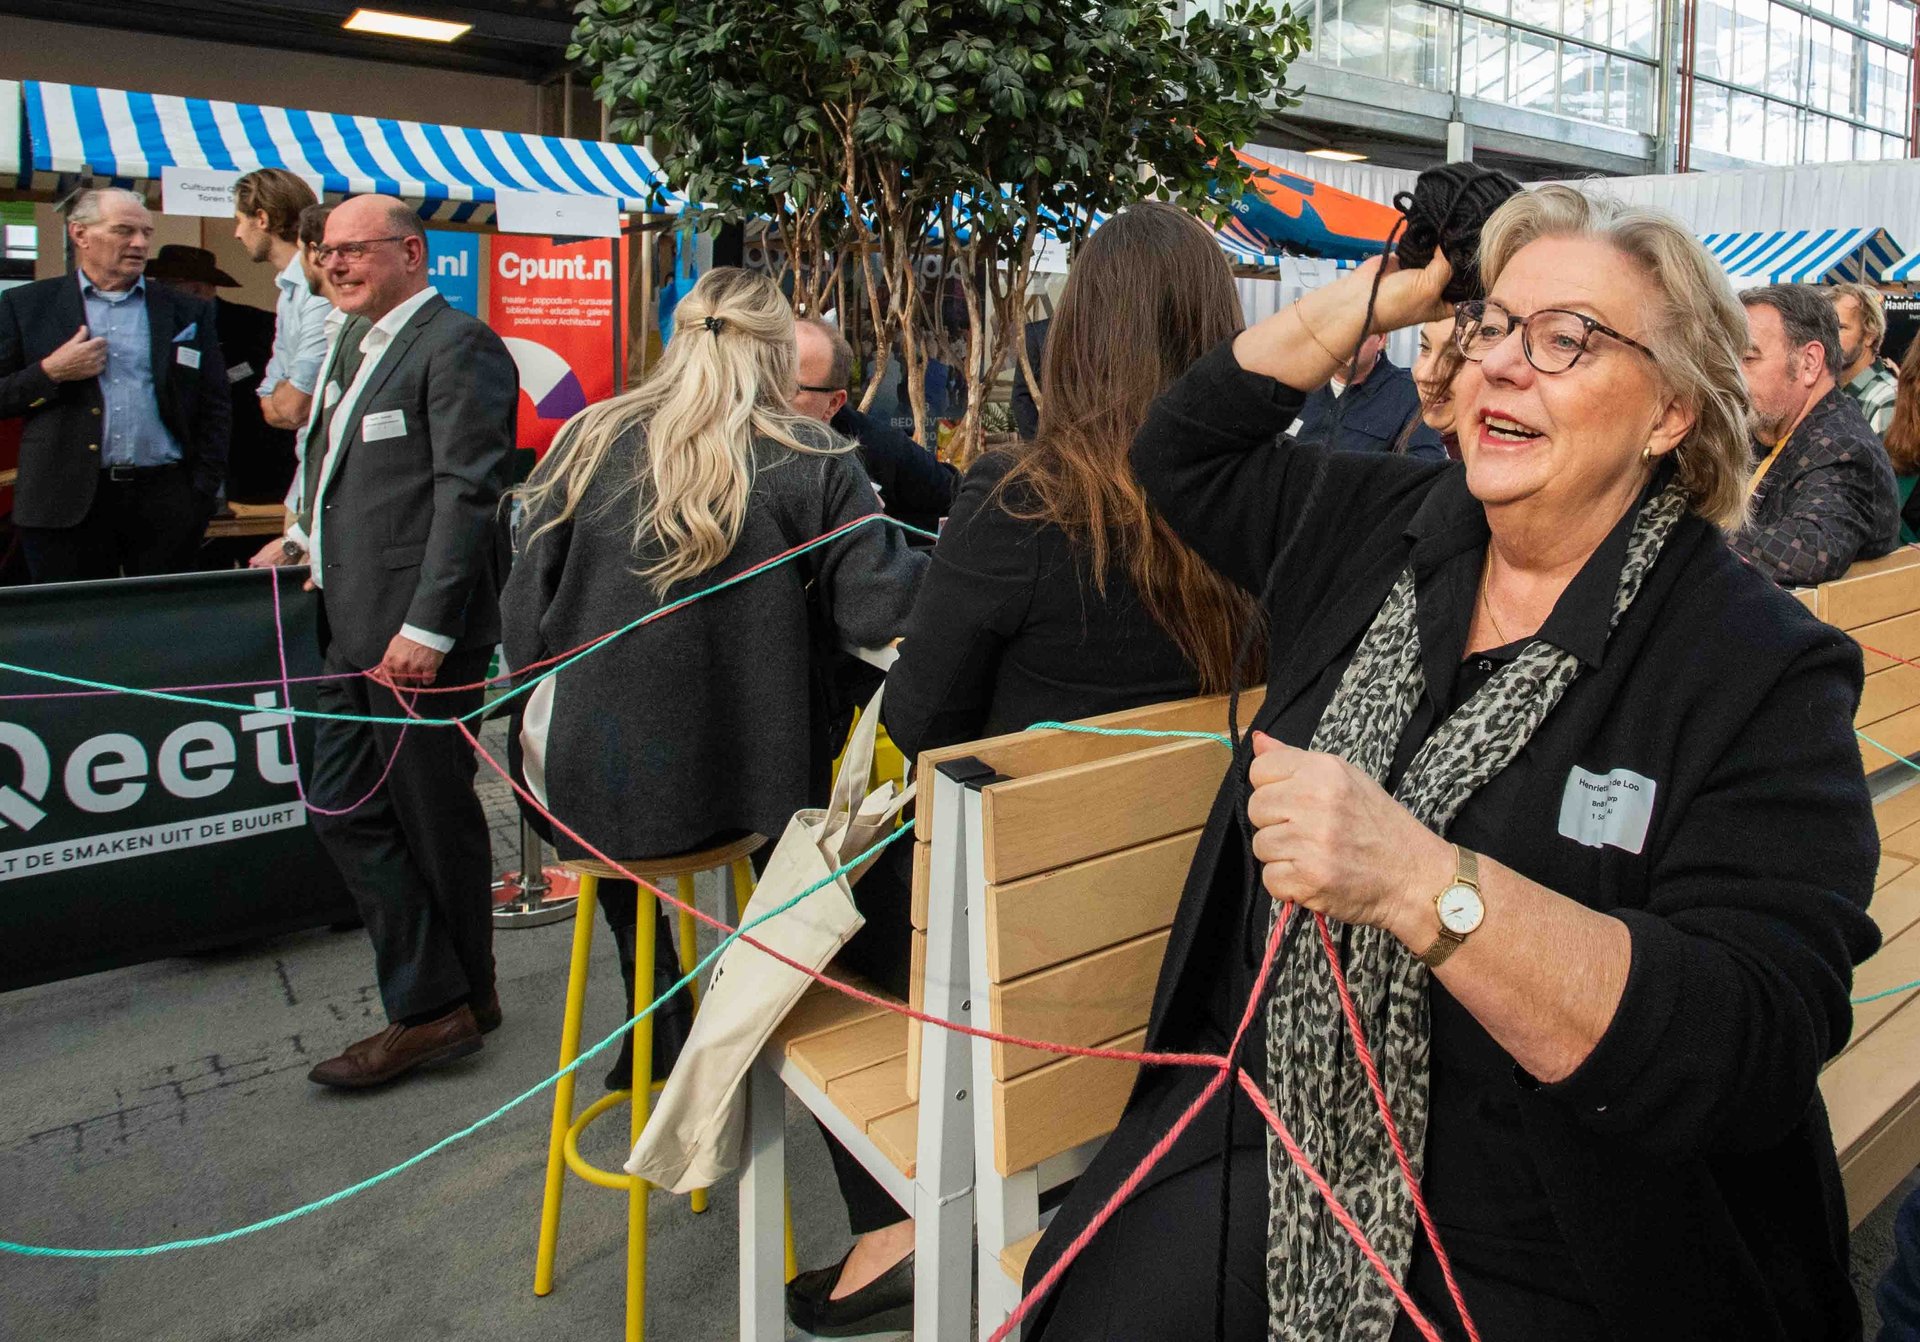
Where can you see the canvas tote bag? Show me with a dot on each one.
(697, 1130)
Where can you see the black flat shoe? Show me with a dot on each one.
(883, 1305)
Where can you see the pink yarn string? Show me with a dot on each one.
(293, 752)
(1365, 1055)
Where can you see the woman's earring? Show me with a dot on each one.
(1646, 454)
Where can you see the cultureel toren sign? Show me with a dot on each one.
(555, 303)
(134, 828)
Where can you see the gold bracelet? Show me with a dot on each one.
(1311, 335)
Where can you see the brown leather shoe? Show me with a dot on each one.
(400, 1049)
(486, 1011)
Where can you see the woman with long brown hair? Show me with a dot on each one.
(1054, 593)
(1903, 436)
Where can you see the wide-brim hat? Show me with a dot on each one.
(193, 264)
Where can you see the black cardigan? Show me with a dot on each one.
(713, 718)
(1010, 630)
(1688, 1161)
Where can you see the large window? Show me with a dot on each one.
(1802, 81)
(1594, 60)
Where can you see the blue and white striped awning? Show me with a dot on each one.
(1905, 269)
(1806, 255)
(455, 172)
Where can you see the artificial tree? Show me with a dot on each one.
(877, 135)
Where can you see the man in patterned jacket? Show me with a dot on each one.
(1823, 490)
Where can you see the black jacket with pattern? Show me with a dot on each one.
(1827, 500)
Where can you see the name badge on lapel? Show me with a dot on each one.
(383, 424)
(188, 355)
(1611, 808)
(240, 372)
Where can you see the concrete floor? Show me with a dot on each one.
(170, 1100)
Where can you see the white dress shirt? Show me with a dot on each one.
(373, 347)
(300, 332)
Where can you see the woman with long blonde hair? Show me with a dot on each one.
(711, 723)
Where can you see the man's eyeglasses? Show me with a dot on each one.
(352, 251)
(824, 391)
(1553, 339)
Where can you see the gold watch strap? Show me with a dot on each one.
(1443, 946)
(1466, 871)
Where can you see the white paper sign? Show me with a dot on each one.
(204, 192)
(1613, 808)
(546, 215)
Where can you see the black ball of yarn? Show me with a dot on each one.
(1445, 212)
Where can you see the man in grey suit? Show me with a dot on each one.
(405, 454)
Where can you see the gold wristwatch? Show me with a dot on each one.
(1459, 906)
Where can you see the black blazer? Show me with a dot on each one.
(409, 522)
(260, 461)
(1372, 415)
(60, 441)
(1688, 1161)
(1010, 630)
(915, 485)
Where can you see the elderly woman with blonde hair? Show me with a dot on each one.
(1577, 794)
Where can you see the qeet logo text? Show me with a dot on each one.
(111, 771)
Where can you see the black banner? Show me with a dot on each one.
(134, 828)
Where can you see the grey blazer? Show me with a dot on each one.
(409, 521)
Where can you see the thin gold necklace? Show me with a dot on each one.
(1486, 600)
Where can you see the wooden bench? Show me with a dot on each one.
(1872, 1088)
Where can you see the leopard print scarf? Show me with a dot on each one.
(1318, 1285)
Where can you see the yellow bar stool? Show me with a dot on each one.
(563, 1143)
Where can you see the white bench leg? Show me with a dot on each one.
(999, 1295)
(763, 1182)
(942, 1267)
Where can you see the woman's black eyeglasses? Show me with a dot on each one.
(1553, 339)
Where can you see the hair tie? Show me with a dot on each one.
(715, 324)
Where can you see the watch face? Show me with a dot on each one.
(1460, 909)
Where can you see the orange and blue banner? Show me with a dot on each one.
(1284, 212)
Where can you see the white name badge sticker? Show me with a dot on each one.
(383, 424)
(240, 372)
(1612, 808)
(187, 355)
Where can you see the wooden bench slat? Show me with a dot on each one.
(1896, 813)
(1872, 590)
(1871, 1092)
(1033, 825)
(1896, 907)
(1063, 914)
(1060, 1106)
(1081, 1002)
(898, 1136)
(831, 1054)
(1895, 963)
(1900, 734)
(1023, 754)
(1899, 636)
(1886, 693)
(870, 1094)
(1893, 865)
(922, 877)
(914, 1027)
(1014, 1258)
(821, 1008)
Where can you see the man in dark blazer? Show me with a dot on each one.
(405, 453)
(1377, 405)
(123, 393)
(915, 485)
(260, 461)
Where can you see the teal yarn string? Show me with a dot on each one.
(1887, 992)
(394, 1171)
(200, 701)
(1220, 737)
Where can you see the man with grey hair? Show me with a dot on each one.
(1822, 489)
(915, 486)
(1863, 375)
(123, 393)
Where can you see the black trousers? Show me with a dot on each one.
(150, 524)
(882, 952)
(415, 855)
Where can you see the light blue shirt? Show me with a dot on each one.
(134, 434)
(299, 333)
